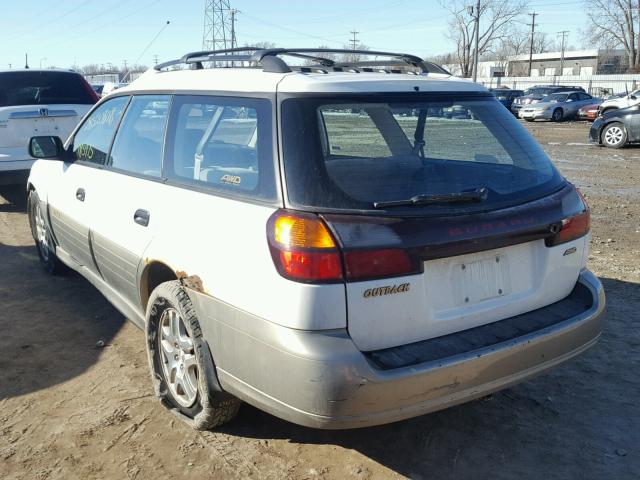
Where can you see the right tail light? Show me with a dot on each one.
(573, 227)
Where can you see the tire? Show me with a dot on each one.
(557, 115)
(614, 135)
(182, 370)
(42, 237)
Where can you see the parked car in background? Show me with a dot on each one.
(320, 243)
(506, 96)
(556, 107)
(537, 93)
(622, 101)
(110, 87)
(616, 127)
(37, 102)
(590, 111)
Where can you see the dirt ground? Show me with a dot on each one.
(70, 410)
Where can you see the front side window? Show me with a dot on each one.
(223, 143)
(92, 141)
(394, 148)
(139, 143)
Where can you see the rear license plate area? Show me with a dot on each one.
(481, 279)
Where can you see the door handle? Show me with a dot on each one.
(141, 217)
(80, 194)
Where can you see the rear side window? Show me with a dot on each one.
(44, 88)
(140, 139)
(92, 141)
(224, 144)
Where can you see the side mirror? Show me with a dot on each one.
(46, 147)
(633, 97)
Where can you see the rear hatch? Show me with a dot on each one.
(39, 103)
(448, 214)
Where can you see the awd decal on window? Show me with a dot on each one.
(387, 290)
(231, 179)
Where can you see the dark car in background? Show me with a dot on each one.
(616, 128)
(537, 93)
(506, 96)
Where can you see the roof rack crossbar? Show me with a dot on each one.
(269, 58)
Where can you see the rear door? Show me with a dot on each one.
(127, 198)
(73, 201)
(39, 103)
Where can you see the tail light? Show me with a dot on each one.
(303, 249)
(573, 227)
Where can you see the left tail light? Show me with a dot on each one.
(303, 249)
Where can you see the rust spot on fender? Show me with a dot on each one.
(194, 282)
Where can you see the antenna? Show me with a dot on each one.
(217, 34)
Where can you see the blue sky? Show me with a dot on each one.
(68, 32)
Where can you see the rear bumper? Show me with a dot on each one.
(321, 380)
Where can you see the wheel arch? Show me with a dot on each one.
(153, 274)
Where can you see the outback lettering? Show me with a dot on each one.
(387, 290)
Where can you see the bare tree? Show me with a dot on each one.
(495, 20)
(617, 23)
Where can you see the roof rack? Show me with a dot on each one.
(270, 61)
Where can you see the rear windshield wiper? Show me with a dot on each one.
(471, 196)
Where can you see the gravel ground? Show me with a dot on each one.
(69, 409)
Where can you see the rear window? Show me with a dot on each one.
(43, 88)
(351, 153)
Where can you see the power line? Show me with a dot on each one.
(533, 29)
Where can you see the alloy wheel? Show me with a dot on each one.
(42, 236)
(613, 135)
(178, 358)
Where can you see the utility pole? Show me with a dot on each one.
(233, 13)
(477, 41)
(533, 29)
(354, 40)
(564, 34)
(26, 60)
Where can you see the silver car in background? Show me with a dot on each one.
(556, 107)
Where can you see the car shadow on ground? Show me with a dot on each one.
(15, 197)
(38, 354)
(589, 422)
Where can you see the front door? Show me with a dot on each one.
(72, 203)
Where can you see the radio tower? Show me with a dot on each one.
(218, 26)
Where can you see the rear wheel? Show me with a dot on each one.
(614, 135)
(180, 363)
(557, 114)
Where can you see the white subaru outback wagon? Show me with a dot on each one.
(322, 239)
